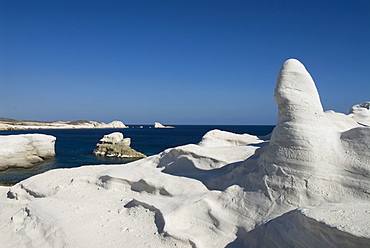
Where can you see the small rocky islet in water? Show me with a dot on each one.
(115, 145)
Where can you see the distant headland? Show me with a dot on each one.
(11, 124)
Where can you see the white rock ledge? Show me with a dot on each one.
(215, 138)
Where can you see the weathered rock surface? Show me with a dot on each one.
(216, 138)
(115, 145)
(10, 124)
(25, 150)
(115, 138)
(361, 113)
(309, 159)
(308, 187)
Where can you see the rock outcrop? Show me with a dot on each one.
(309, 186)
(361, 113)
(25, 150)
(217, 138)
(115, 145)
(159, 125)
(309, 159)
(10, 124)
(116, 124)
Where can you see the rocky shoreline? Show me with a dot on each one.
(10, 124)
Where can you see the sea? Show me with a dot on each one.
(74, 147)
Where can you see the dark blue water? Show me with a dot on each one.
(74, 147)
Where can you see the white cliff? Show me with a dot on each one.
(25, 150)
(308, 186)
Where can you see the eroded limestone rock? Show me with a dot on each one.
(25, 150)
(115, 145)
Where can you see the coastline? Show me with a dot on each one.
(11, 124)
(74, 147)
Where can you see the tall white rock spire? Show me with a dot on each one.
(309, 159)
(295, 92)
(302, 131)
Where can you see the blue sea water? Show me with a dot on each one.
(74, 147)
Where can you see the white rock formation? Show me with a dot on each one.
(309, 158)
(308, 187)
(159, 125)
(216, 138)
(116, 124)
(361, 113)
(25, 150)
(195, 160)
(115, 138)
(115, 145)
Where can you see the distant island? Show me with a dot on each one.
(11, 124)
(159, 125)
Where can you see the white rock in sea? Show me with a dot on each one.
(115, 138)
(308, 187)
(115, 145)
(25, 150)
(159, 125)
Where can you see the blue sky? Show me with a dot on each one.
(176, 62)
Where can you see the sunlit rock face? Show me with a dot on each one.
(115, 138)
(361, 113)
(25, 150)
(302, 131)
(217, 138)
(311, 158)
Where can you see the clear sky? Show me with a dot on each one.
(176, 62)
